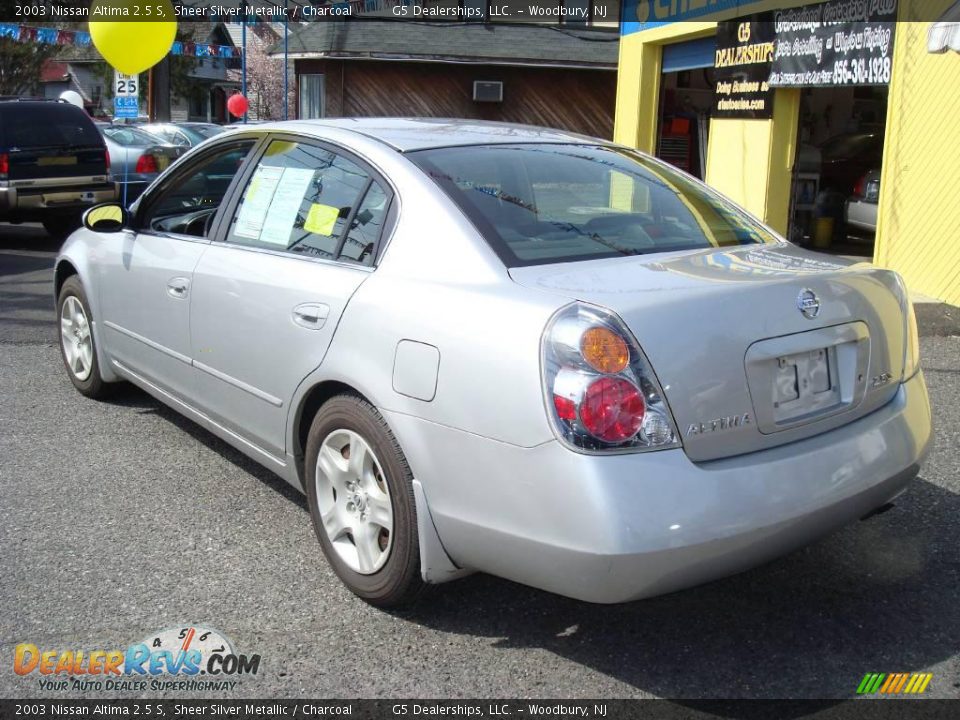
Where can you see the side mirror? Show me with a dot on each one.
(108, 217)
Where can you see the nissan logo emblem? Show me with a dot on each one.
(808, 303)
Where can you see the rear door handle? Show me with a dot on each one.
(178, 287)
(312, 316)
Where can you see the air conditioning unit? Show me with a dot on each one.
(487, 91)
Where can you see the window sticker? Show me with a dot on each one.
(256, 202)
(321, 219)
(285, 205)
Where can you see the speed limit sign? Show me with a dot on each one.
(126, 84)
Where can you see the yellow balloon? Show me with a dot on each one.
(128, 44)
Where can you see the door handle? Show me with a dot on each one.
(177, 287)
(312, 316)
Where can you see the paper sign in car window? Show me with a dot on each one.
(321, 219)
(256, 202)
(285, 205)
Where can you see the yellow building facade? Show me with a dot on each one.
(753, 160)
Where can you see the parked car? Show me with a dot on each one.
(137, 157)
(861, 208)
(488, 347)
(53, 164)
(846, 158)
(185, 134)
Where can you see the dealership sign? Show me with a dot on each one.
(836, 43)
(743, 59)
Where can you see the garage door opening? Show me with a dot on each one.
(836, 183)
(686, 97)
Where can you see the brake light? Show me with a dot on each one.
(147, 163)
(4, 164)
(601, 391)
(106, 159)
(612, 409)
(860, 188)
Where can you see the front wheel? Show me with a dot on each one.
(77, 345)
(360, 492)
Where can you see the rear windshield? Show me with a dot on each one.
(539, 203)
(131, 136)
(204, 131)
(46, 125)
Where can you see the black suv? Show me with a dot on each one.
(53, 164)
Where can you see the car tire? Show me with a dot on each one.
(59, 226)
(347, 502)
(77, 343)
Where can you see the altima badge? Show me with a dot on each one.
(731, 422)
(808, 303)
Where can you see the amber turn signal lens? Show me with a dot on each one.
(604, 350)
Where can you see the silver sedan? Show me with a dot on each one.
(488, 347)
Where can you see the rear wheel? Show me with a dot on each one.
(360, 493)
(59, 226)
(77, 345)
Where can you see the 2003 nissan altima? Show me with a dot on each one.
(491, 347)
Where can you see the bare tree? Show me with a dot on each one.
(265, 77)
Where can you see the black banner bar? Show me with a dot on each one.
(400, 709)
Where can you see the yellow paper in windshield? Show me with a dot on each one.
(321, 219)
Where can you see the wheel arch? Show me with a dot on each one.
(63, 270)
(435, 564)
(312, 400)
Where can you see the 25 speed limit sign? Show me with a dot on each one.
(126, 84)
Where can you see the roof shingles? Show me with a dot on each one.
(464, 42)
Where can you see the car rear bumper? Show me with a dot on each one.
(622, 527)
(862, 215)
(42, 201)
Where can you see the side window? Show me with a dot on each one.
(366, 226)
(187, 202)
(300, 198)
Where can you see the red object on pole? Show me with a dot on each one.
(237, 104)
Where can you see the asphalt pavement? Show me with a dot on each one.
(120, 519)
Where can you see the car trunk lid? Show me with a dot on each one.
(754, 346)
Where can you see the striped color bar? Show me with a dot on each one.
(894, 683)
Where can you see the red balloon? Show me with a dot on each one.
(237, 104)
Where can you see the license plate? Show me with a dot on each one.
(804, 383)
(60, 160)
(163, 162)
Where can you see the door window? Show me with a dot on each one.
(186, 203)
(301, 198)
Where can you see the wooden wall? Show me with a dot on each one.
(578, 100)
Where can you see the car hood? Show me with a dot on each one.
(722, 329)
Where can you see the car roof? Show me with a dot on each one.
(408, 134)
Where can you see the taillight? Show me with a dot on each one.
(4, 164)
(601, 392)
(106, 159)
(147, 163)
(860, 188)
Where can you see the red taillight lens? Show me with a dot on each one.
(4, 164)
(147, 164)
(612, 409)
(860, 188)
(106, 159)
(566, 408)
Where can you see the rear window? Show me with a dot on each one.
(46, 125)
(131, 136)
(539, 203)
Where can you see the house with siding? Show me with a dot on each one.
(557, 75)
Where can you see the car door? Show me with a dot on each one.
(146, 277)
(268, 293)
